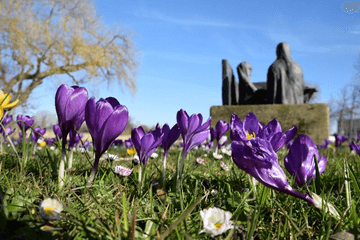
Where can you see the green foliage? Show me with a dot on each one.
(114, 207)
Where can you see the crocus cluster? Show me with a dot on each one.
(254, 149)
(106, 120)
(252, 128)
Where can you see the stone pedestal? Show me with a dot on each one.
(311, 119)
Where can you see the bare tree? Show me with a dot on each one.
(345, 109)
(42, 38)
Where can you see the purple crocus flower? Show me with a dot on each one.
(157, 132)
(193, 133)
(325, 144)
(57, 131)
(212, 134)
(145, 144)
(221, 128)
(257, 157)
(7, 133)
(74, 138)
(118, 143)
(358, 137)
(106, 120)
(129, 143)
(38, 132)
(21, 136)
(49, 141)
(192, 130)
(24, 122)
(300, 160)
(6, 120)
(355, 147)
(339, 139)
(70, 107)
(252, 128)
(170, 136)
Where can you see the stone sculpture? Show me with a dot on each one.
(285, 83)
(229, 85)
(247, 89)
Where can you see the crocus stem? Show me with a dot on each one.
(96, 163)
(164, 171)
(34, 149)
(180, 171)
(71, 156)
(140, 174)
(62, 163)
(1, 144)
(347, 185)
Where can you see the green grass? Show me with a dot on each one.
(114, 207)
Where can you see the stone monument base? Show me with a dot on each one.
(311, 119)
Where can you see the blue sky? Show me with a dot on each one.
(183, 43)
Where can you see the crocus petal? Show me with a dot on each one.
(236, 128)
(136, 135)
(90, 117)
(204, 126)
(290, 134)
(103, 111)
(193, 123)
(251, 123)
(221, 128)
(114, 126)
(322, 162)
(278, 141)
(182, 121)
(170, 136)
(270, 130)
(197, 139)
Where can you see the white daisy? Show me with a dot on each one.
(217, 156)
(216, 221)
(50, 209)
(123, 171)
(223, 166)
(154, 155)
(111, 157)
(200, 160)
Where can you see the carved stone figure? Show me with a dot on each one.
(285, 83)
(229, 85)
(246, 88)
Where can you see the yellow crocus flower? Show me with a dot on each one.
(42, 144)
(5, 102)
(131, 151)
